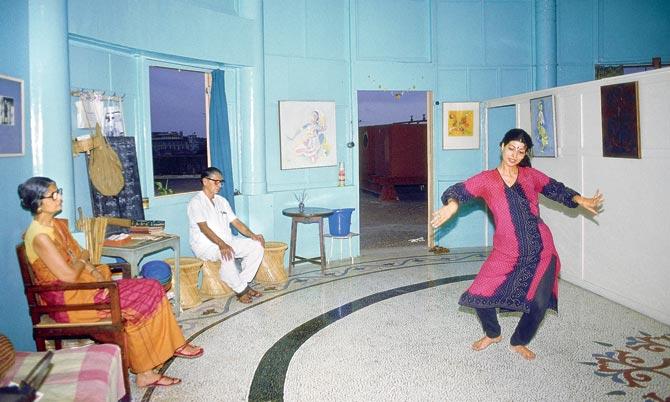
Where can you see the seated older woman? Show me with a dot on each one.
(153, 333)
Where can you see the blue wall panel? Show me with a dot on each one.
(515, 81)
(327, 29)
(373, 75)
(570, 74)
(452, 85)
(483, 84)
(609, 32)
(14, 319)
(467, 228)
(393, 30)
(223, 6)
(574, 30)
(508, 27)
(169, 27)
(284, 27)
(460, 33)
(642, 26)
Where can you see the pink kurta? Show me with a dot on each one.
(523, 247)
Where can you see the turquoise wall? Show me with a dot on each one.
(310, 50)
(14, 321)
(483, 50)
(609, 32)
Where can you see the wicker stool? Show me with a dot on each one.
(212, 285)
(188, 280)
(272, 271)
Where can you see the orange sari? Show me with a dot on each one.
(153, 333)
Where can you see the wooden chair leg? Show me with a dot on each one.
(40, 344)
(125, 362)
(58, 344)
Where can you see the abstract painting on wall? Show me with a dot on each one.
(620, 120)
(460, 125)
(543, 126)
(307, 134)
(11, 116)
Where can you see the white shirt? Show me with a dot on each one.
(216, 213)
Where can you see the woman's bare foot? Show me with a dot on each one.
(524, 352)
(485, 342)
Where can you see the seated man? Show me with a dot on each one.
(210, 217)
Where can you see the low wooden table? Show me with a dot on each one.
(306, 215)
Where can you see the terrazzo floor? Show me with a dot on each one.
(388, 327)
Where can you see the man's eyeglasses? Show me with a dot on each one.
(215, 180)
(57, 193)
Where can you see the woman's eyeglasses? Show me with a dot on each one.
(54, 195)
(215, 180)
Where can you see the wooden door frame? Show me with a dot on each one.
(430, 241)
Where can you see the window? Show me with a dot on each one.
(179, 130)
(613, 70)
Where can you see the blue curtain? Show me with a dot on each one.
(219, 135)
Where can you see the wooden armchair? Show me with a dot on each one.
(109, 330)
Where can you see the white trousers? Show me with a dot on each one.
(251, 253)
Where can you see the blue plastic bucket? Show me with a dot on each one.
(339, 222)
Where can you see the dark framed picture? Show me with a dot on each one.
(11, 116)
(620, 120)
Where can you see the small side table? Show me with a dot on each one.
(306, 215)
(341, 240)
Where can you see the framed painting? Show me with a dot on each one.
(620, 120)
(11, 116)
(307, 134)
(460, 125)
(543, 126)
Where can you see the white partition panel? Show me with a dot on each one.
(622, 254)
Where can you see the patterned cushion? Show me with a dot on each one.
(7, 355)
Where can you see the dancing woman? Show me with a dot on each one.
(521, 273)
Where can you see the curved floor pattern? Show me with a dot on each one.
(391, 329)
(268, 382)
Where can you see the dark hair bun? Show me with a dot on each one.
(31, 192)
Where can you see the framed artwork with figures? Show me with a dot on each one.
(460, 125)
(11, 116)
(543, 126)
(307, 134)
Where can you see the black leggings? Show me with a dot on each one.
(530, 321)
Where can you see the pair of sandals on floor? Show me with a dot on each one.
(247, 295)
(181, 352)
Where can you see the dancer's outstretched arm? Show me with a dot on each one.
(594, 204)
(445, 213)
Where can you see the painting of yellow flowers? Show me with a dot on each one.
(460, 125)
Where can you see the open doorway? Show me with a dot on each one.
(393, 169)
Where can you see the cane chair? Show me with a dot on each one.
(109, 330)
